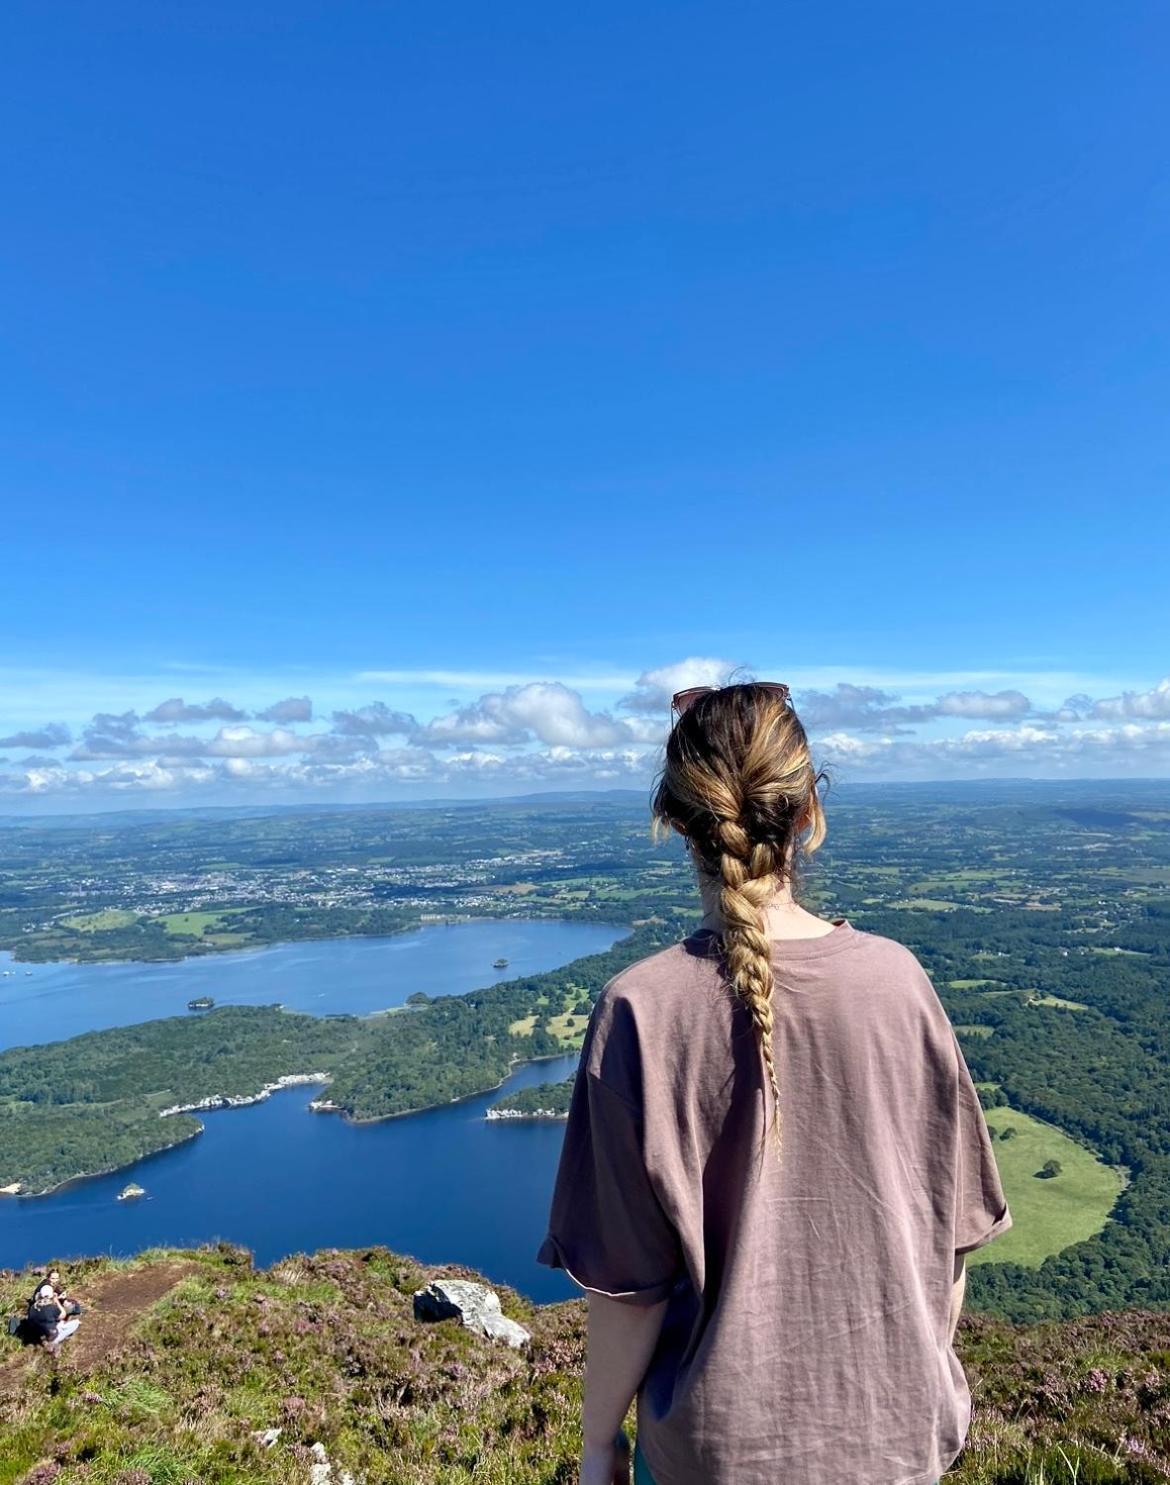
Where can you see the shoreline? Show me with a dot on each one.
(325, 1107)
(18, 1189)
(457, 921)
(235, 1101)
(95, 1175)
(241, 1100)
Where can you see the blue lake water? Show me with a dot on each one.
(447, 1185)
(49, 1002)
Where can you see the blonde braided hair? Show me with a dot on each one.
(738, 783)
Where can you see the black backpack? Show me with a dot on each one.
(41, 1322)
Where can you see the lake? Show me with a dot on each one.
(49, 1002)
(447, 1185)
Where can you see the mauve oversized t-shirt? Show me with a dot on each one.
(805, 1341)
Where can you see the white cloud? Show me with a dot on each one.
(120, 737)
(1152, 703)
(855, 706)
(177, 710)
(291, 709)
(545, 710)
(51, 735)
(654, 689)
(870, 707)
(1132, 748)
(540, 732)
(374, 720)
(1000, 704)
(246, 742)
(150, 777)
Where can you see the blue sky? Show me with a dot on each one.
(473, 363)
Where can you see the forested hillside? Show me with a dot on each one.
(93, 1103)
(1042, 913)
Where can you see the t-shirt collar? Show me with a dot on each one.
(843, 936)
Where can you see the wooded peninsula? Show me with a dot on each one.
(1041, 912)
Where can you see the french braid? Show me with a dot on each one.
(739, 784)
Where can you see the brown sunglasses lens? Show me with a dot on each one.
(683, 699)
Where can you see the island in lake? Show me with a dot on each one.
(541, 1101)
(130, 1091)
(1041, 913)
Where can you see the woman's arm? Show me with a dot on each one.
(958, 1293)
(622, 1338)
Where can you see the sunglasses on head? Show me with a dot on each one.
(684, 699)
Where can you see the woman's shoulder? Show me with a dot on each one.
(655, 1003)
(899, 991)
(684, 979)
(696, 958)
(672, 968)
(890, 952)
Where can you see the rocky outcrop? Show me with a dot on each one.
(476, 1307)
(238, 1100)
(321, 1469)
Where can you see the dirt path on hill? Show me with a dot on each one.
(113, 1305)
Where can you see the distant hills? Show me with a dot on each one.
(846, 789)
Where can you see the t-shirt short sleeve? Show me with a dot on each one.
(607, 1228)
(981, 1210)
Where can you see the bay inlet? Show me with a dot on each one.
(445, 1184)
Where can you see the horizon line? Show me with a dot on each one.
(536, 794)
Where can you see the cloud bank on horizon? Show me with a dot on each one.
(520, 734)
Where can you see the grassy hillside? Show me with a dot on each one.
(185, 1356)
(1048, 1214)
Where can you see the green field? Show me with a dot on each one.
(189, 924)
(568, 1028)
(1039, 913)
(1047, 1215)
(100, 922)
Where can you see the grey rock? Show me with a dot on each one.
(321, 1470)
(476, 1307)
(500, 1328)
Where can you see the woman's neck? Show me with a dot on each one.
(783, 916)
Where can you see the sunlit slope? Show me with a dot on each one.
(185, 1359)
(1048, 1213)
